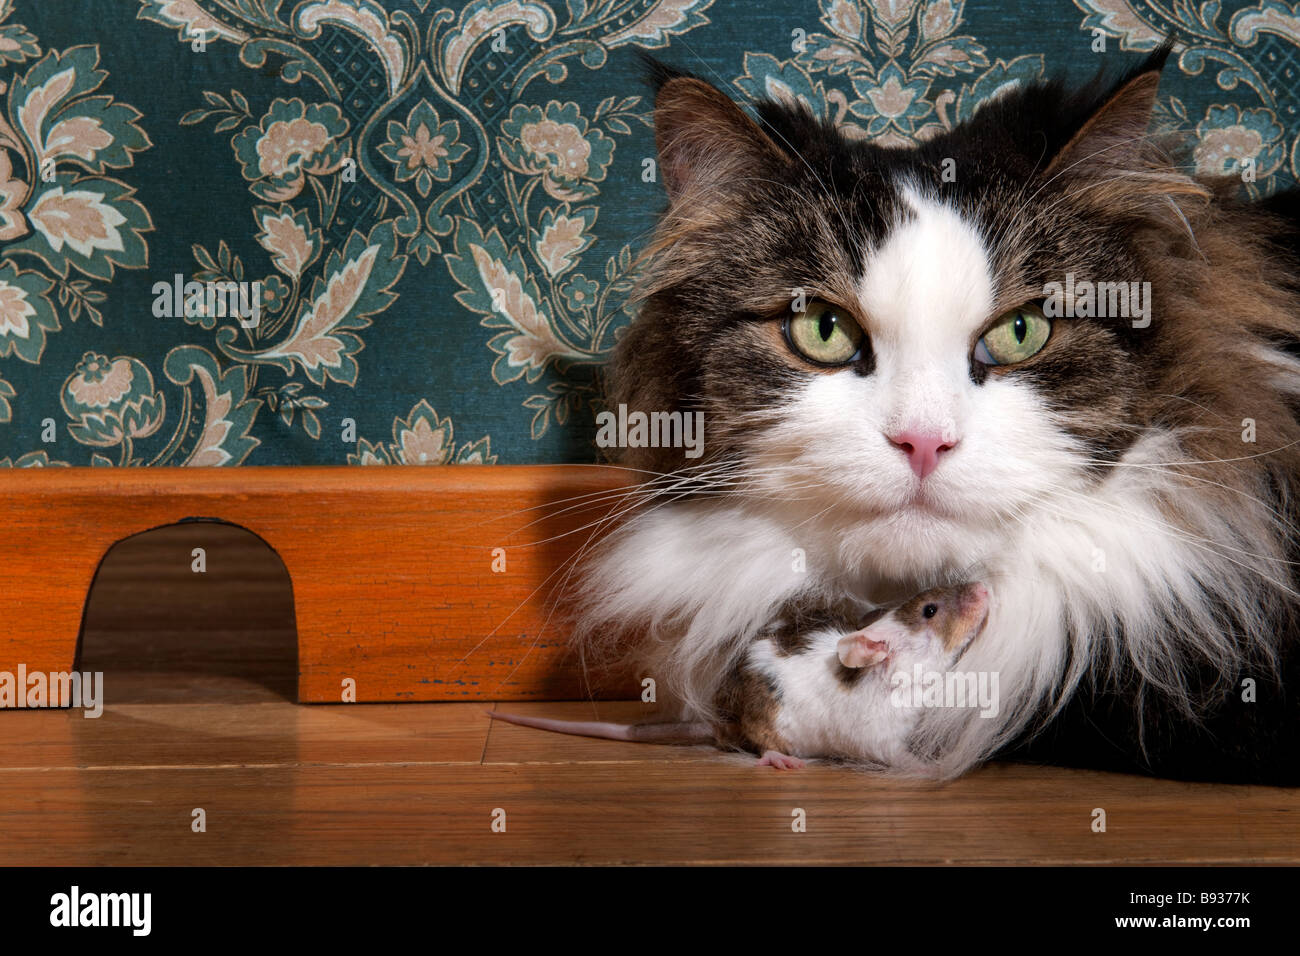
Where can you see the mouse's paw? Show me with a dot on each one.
(858, 650)
(774, 758)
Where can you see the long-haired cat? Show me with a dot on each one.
(906, 383)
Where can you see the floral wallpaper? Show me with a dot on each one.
(342, 231)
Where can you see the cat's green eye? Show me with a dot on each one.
(1017, 335)
(824, 334)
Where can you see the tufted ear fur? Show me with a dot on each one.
(706, 143)
(1115, 136)
(1115, 150)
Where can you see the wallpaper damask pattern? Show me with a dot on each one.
(435, 210)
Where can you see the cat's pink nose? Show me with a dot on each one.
(922, 449)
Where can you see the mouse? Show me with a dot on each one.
(804, 692)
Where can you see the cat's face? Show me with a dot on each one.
(865, 328)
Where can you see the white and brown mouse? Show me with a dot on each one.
(805, 688)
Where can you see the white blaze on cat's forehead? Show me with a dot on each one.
(929, 283)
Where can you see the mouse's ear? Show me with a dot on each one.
(706, 142)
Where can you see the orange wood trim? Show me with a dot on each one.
(391, 566)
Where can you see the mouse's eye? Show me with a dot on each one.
(930, 610)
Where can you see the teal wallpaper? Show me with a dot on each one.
(338, 231)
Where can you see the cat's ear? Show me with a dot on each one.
(1115, 135)
(1126, 163)
(705, 141)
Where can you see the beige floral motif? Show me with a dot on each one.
(660, 19)
(211, 451)
(559, 241)
(891, 98)
(422, 444)
(80, 136)
(311, 342)
(12, 193)
(15, 311)
(1219, 145)
(195, 21)
(292, 139)
(283, 147)
(100, 382)
(939, 18)
(893, 12)
(80, 218)
(562, 141)
(285, 236)
(112, 402)
(845, 19)
(422, 149)
(423, 438)
(536, 342)
(1119, 18)
(1231, 137)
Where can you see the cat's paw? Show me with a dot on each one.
(774, 758)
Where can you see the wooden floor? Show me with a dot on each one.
(198, 716)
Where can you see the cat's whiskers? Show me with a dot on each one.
(1225, 461)
(566, 567)
(1079, 190)
(1190, 538)
(601, 493)
(1280, 518)
(1216, 643)
(604, 494)
(722, 485)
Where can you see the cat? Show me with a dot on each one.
(906, 383)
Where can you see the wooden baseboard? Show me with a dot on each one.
(398, 583)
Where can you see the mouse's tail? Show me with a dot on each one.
(679, 732)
